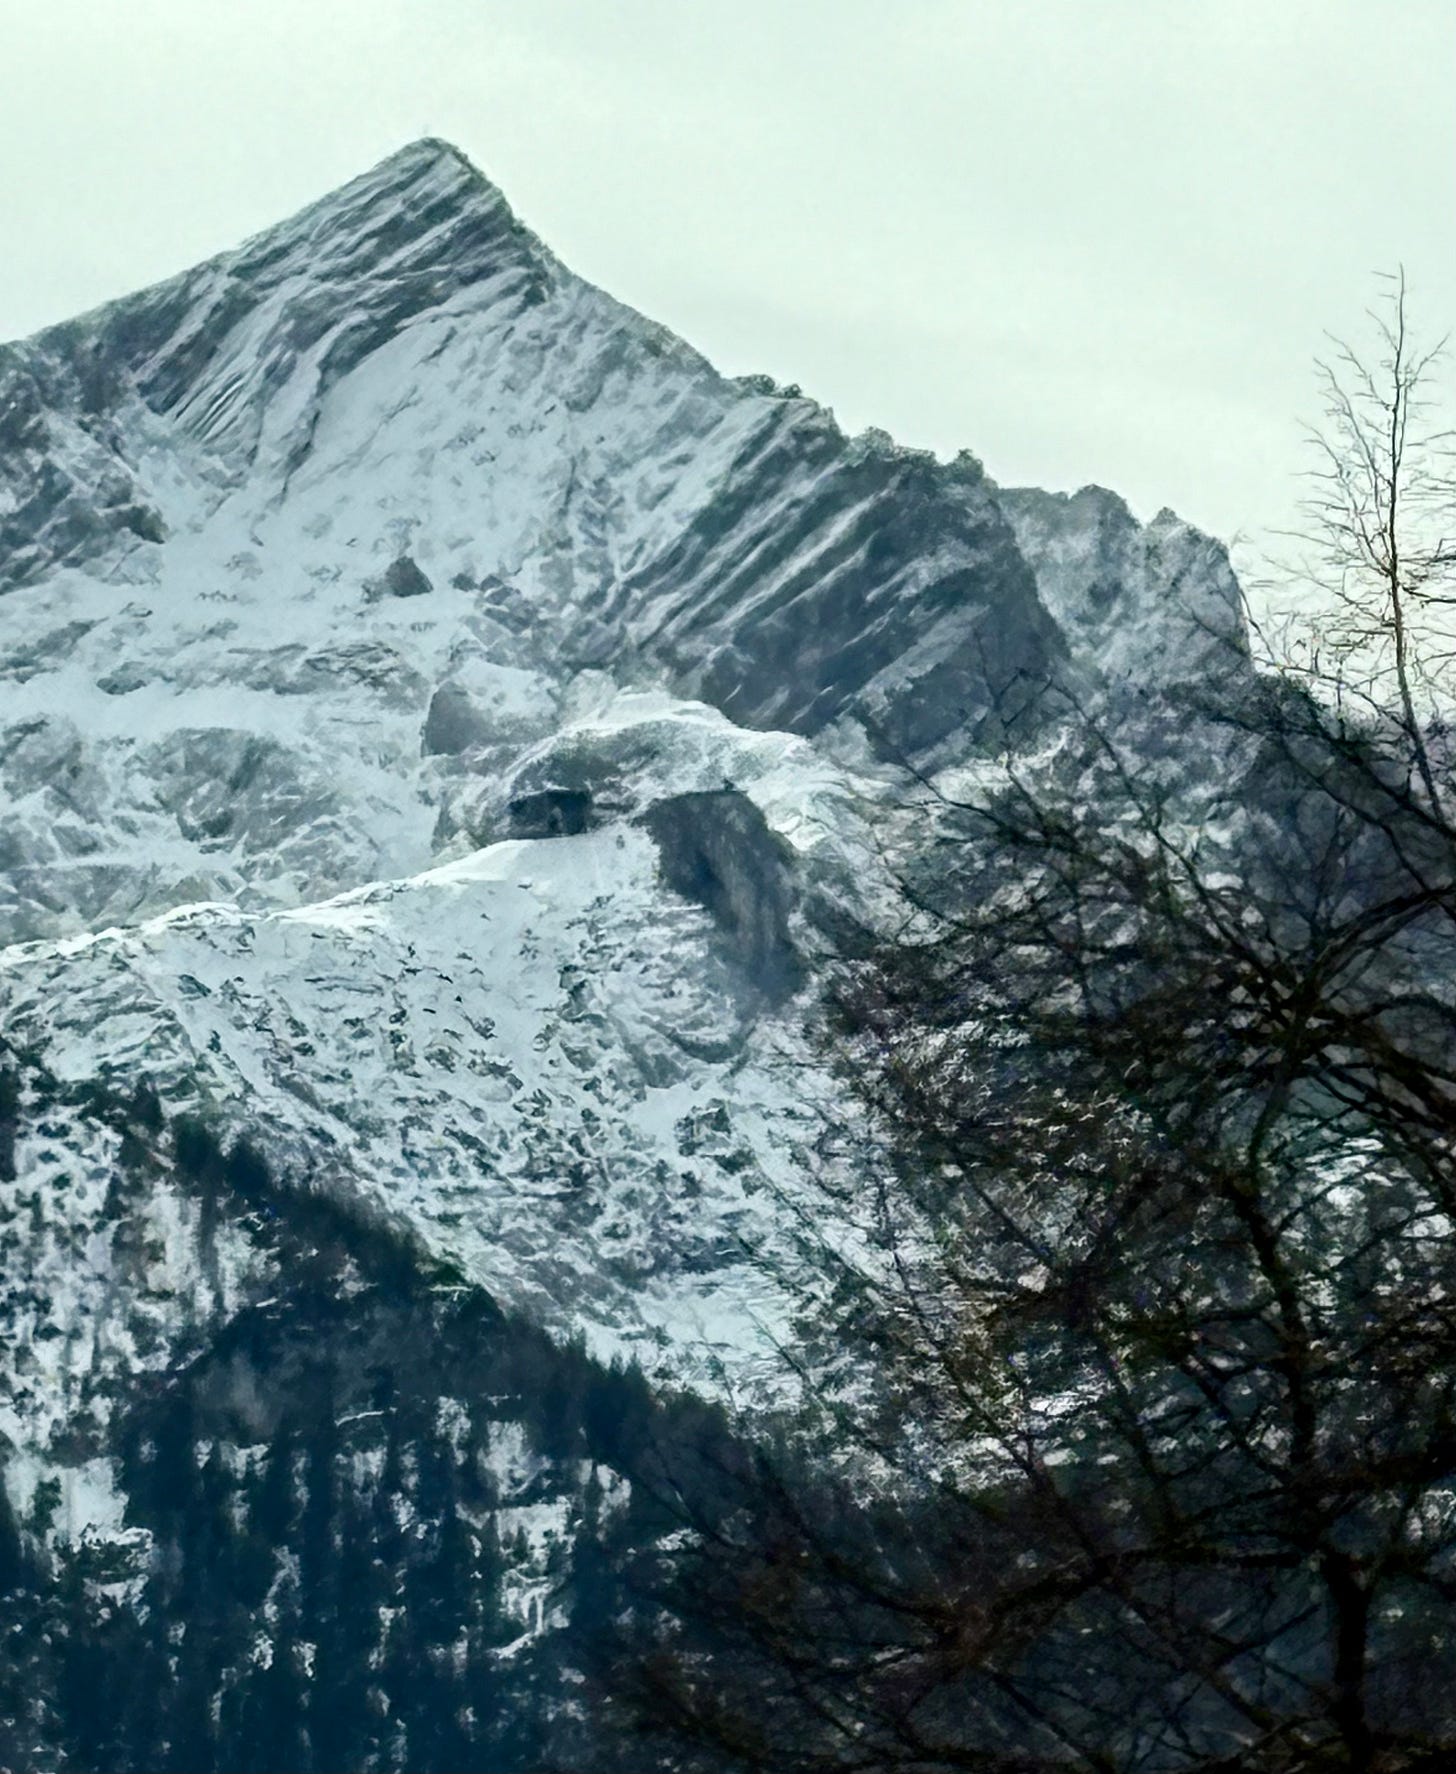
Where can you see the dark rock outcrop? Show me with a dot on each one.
(717, 849)
(551, 813)
(830, 576)
(452, 723)
(402, 578)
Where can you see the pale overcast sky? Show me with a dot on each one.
(1093, 240)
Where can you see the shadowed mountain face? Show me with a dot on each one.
(442, 721)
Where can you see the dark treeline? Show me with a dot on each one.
(338, 1493)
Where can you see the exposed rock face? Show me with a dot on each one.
(551, 813)
(884, 583)
(717, 849)
(402, 578)
(69, 490)
(453, 723)
(384, 612)
(1150, 605)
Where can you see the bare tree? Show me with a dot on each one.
(1153, 1466)
(1377, 562)
(1156, 1466)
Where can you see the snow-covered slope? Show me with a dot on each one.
(392, 458)
(437, 713)
(563, 1074)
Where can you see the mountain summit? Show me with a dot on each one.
(445, 727)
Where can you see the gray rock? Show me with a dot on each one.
(717, 849)
(1148, 605)
(453, 723)
(403, 578)
(551, 813)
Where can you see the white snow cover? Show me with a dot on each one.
(311, 562)
(518, 1053)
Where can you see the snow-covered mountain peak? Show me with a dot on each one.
(305, 543)
(297, 307)
(425, 208)
(442, 720)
